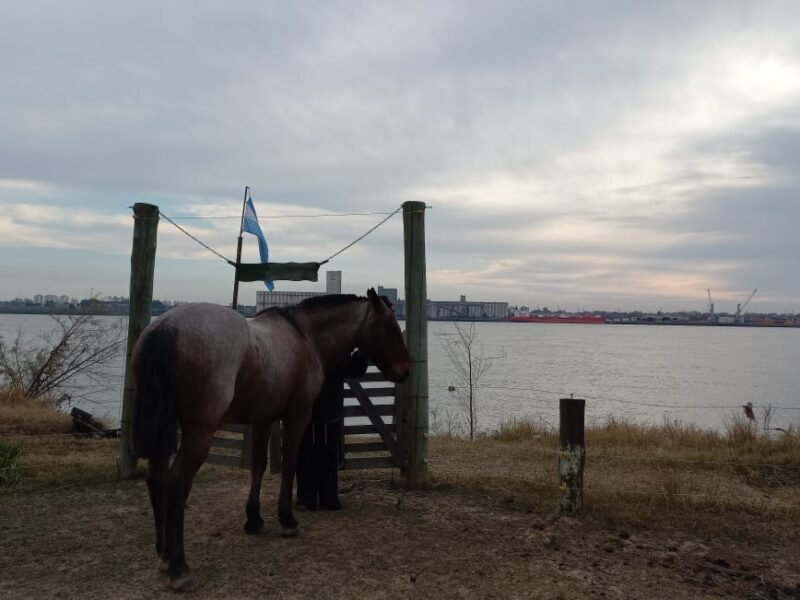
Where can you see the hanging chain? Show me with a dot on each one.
(331, 257)
(361, 237)
(206, 246)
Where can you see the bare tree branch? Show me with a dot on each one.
(74, 357)
(469, 364)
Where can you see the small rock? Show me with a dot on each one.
(693, 548)
(624, 534)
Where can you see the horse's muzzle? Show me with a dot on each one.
(399, 373)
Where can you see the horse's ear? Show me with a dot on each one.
(373, 297)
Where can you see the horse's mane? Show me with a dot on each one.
(328, 301)
(324, 301)
(331, 300)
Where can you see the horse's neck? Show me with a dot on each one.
(333, 331)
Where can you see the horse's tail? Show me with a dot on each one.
(155, 423)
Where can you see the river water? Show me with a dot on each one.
(700, 375)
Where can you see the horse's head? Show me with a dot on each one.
(381, 340)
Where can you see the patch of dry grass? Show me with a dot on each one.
(689, 503)
(655, 476)
(19, 415)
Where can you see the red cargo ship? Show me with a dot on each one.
(559, 318)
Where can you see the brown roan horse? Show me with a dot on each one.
(200, 365)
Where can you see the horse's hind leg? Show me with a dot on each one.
(258, 463)
(293, 429)
(194, 449)
(156, 482)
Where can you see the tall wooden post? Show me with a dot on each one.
(572, 456)
(413, 414)
(143, 261)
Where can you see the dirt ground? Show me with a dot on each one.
(95, 541)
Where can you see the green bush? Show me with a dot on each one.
(9, 472)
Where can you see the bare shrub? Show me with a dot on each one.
(740, 430)
(70, 361)
(470, 363)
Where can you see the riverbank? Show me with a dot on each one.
(670, 510)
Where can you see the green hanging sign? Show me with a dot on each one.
(290, 271)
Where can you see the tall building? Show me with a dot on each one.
(333, 282)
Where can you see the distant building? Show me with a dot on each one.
(38, 299)
(390, 293)
(63, 299)
(333, 282)
(264, 300)
(51, 299)
(451, 310)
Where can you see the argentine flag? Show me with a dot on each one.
(250, 225)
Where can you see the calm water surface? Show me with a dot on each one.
(700, 375)
(697, 374)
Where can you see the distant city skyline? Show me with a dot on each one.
(610, 155)
(393, 294)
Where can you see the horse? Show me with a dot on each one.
(200, 365)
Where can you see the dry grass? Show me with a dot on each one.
(692, 527)
(658, 476)
(20, 415)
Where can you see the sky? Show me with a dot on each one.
(580, 155)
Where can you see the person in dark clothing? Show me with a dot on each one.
(321, 450)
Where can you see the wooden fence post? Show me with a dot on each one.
(572, 456)
(143, 261)
(414, 412)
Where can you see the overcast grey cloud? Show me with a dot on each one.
(601, 155)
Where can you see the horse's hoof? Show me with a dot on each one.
(183, 583)
(254, 528)
(163, 566)
(290, 532)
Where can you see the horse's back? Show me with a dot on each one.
(210, 341)
(282, 365)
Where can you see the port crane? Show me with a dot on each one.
(739, 319)
(711, 316)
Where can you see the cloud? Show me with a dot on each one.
(618, 155)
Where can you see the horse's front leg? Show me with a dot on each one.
(258, 463)
(293, 428)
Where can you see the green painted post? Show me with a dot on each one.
(143, 262)
(414, 411)
(572, 456)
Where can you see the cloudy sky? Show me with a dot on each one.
(575, 154)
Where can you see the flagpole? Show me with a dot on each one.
(239, 251)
